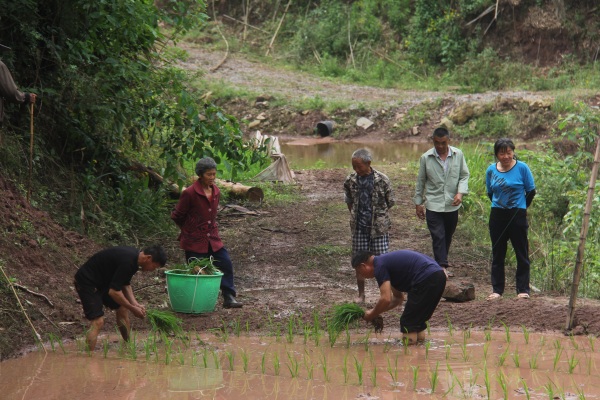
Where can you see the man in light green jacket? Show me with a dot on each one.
(442, 181)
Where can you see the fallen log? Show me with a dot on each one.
(250, 193)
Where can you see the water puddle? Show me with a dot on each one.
(326, 153)
(229, 364)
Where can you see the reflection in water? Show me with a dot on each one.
(338, 154)
(459, 365)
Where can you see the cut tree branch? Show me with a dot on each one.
(23, 288)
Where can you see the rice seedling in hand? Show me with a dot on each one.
(344, 314)
(165, 322)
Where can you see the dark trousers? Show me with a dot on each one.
(441, 226)
(223, 262)
(510, 225)
(422, 301)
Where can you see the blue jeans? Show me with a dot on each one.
(223, 262)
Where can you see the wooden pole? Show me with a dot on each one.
(582, 238)
(37, 335)
(30, 152)
(278, 26)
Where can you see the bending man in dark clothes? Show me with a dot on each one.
(105, 279)
(404, 271)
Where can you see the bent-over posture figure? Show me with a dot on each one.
(105, 279)
(404, 271)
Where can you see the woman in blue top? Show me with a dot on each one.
(511, 189)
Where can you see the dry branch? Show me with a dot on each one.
(37, 335)
(278, 26)
(23, 288)
(393, 62)
(244, 23)
(213, 69)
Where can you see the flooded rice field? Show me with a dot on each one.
(451, 364)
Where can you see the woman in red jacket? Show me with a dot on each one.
(196, 215)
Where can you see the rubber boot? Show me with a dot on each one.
(229, 301)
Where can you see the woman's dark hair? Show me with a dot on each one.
(204, 164)
(360, 257)
(157, 253)
(503, 144)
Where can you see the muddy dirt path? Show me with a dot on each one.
(262, 79)
(293, 259)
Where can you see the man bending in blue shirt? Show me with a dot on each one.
(404, 271)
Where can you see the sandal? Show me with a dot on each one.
(494, 296)
(523, 296)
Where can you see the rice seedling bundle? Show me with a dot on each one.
(165, 322)
(197, 266)
(346, 313)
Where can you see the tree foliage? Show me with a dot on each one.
(110, 94)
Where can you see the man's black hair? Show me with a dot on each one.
(157, 253)
(441, 132)
(361, 257)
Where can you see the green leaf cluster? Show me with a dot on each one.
(110, 93)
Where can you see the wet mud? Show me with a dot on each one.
(455, 364)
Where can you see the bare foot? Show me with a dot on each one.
(409, 338)
(360, 299)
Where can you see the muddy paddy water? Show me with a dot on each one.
(451, 364)
(328, 153)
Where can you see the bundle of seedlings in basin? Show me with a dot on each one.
(346, 313)
(198, 266)
(165, 321)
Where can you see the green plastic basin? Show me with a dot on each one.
(193, 294)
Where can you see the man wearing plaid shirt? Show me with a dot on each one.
(369, 196)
